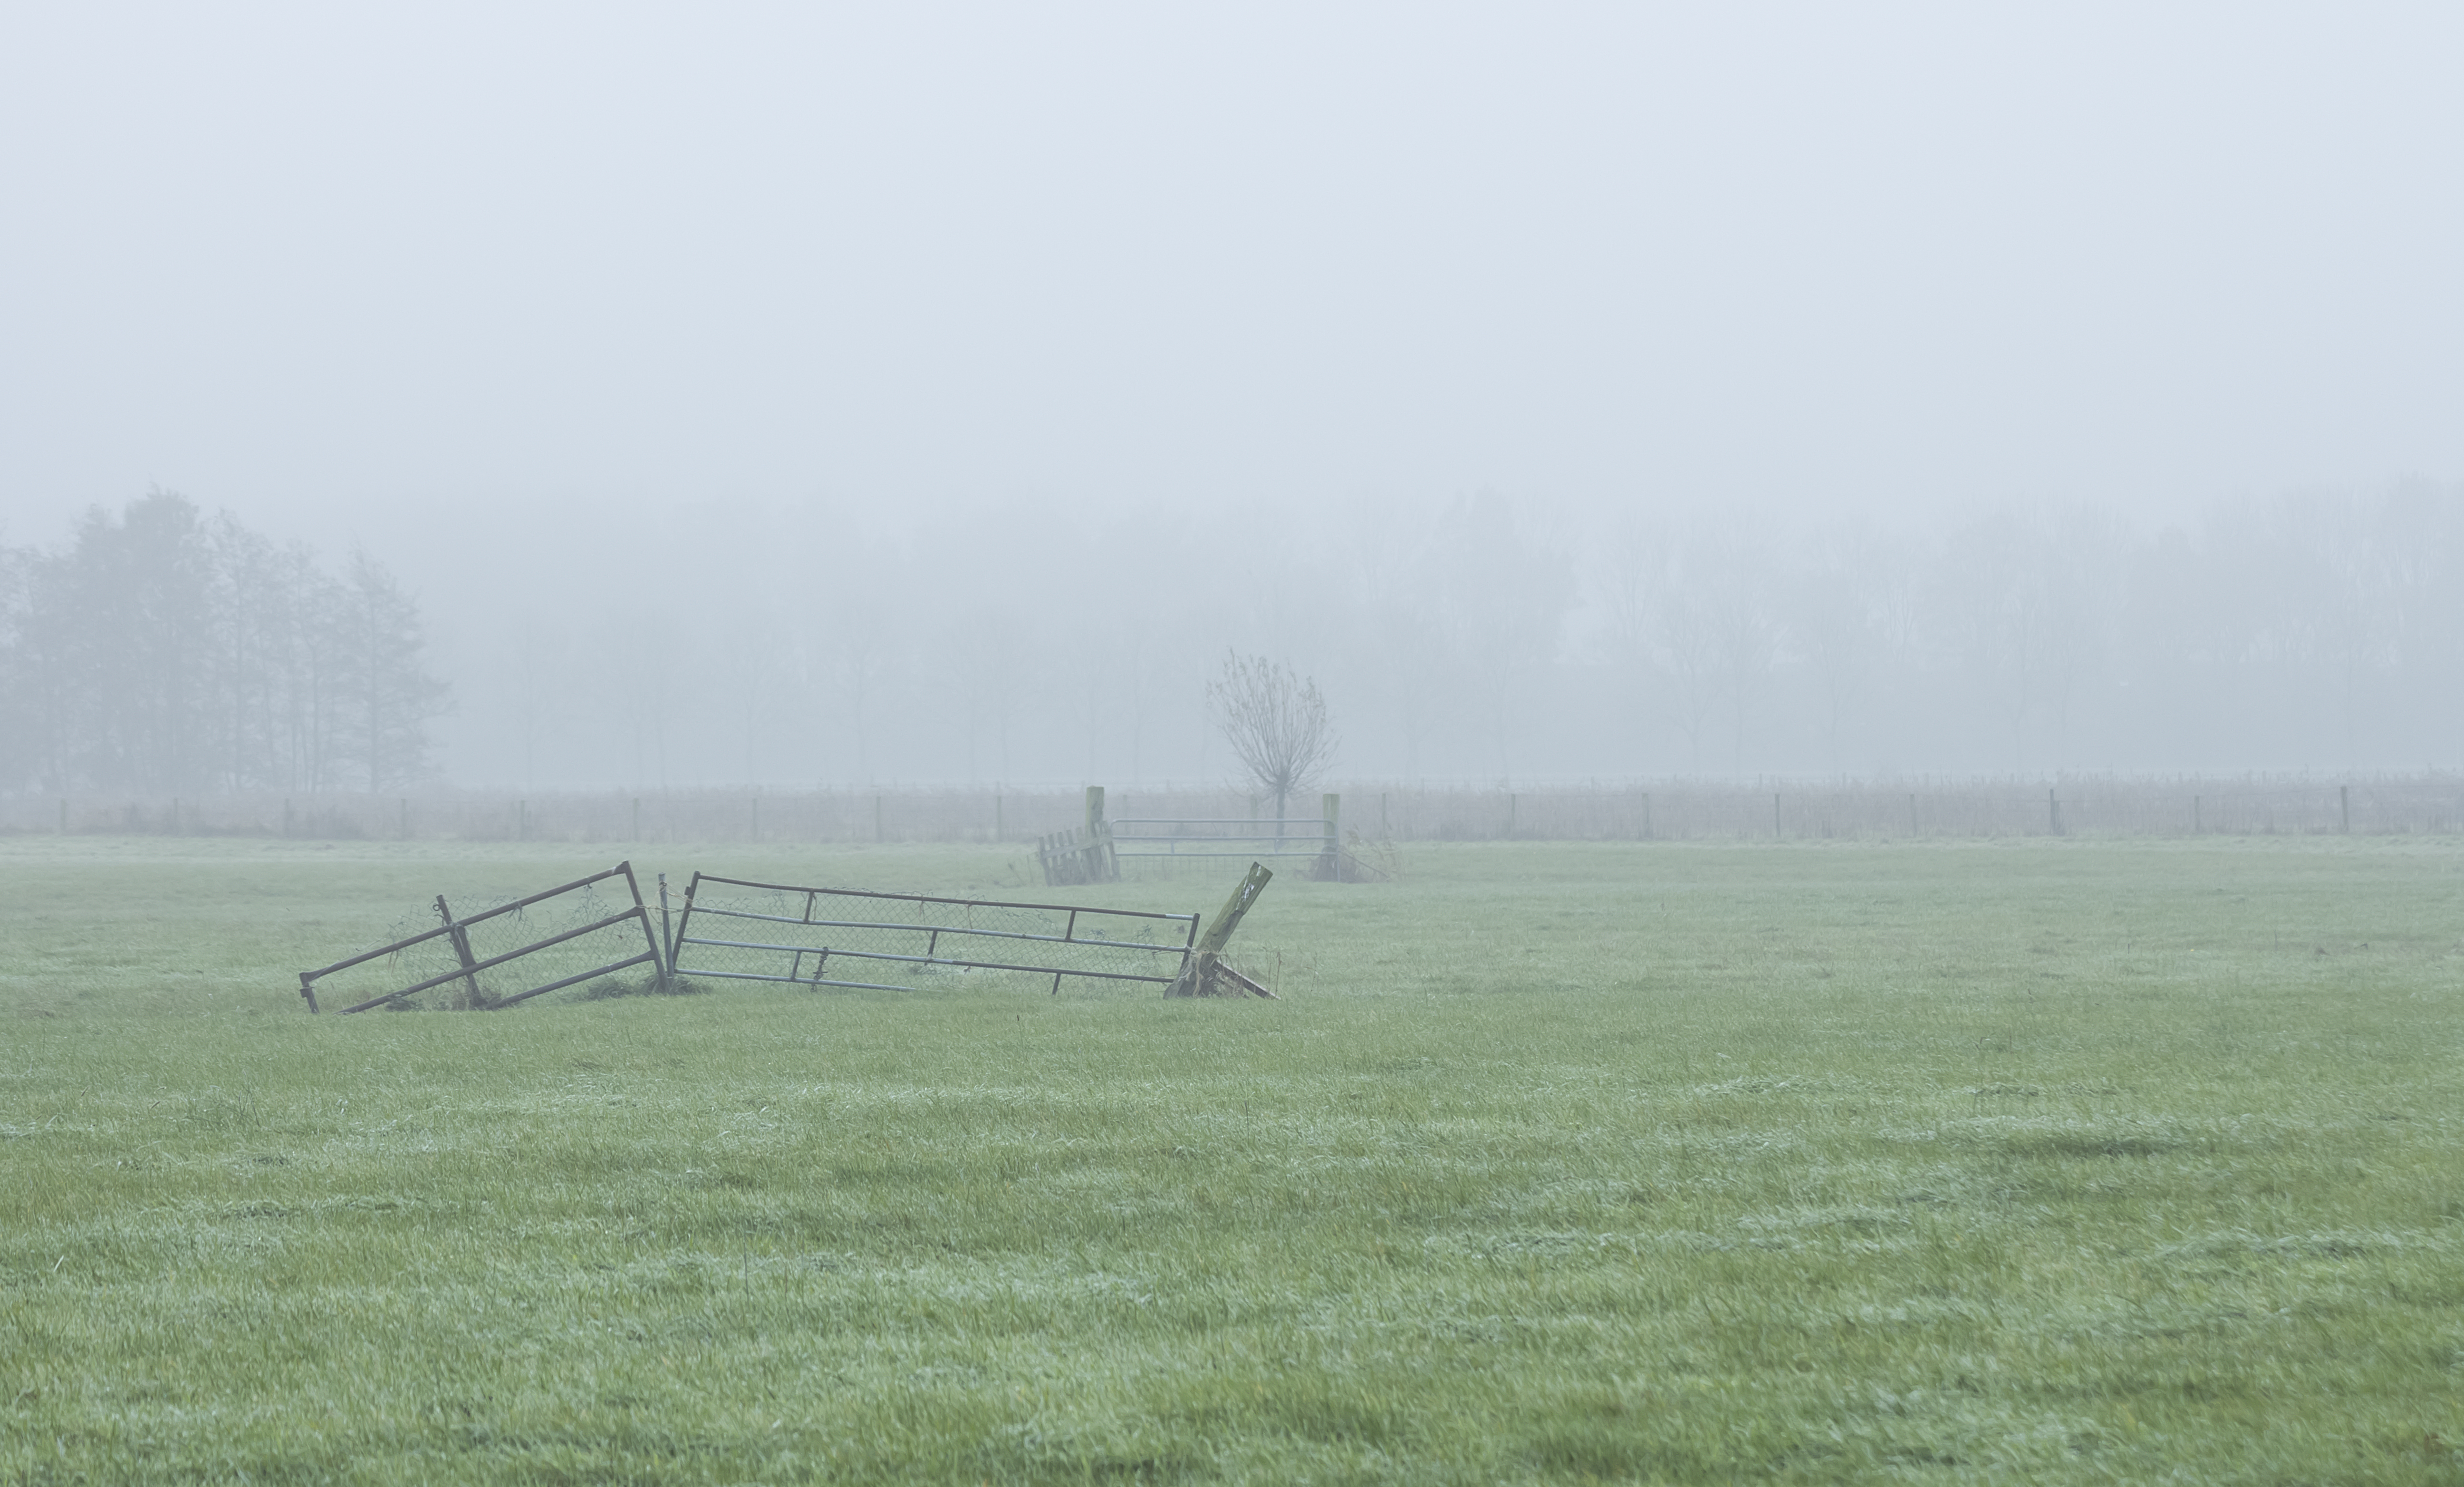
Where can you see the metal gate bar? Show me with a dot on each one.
(456, 930)
(1089, 962)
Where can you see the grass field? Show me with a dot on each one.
(2050, 1161)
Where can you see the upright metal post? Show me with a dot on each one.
(667, 927)
(684, 922)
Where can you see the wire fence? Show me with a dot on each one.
(2429, 804)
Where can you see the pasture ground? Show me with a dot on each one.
(2050, 1161)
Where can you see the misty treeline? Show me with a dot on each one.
(162, 651)
(1484, 639)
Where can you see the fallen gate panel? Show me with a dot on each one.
(738, 930)
(504, 955)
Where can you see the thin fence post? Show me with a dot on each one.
(1331, 805)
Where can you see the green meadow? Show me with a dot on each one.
(2049, 1160)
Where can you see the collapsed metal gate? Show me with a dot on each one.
(784, 932)
(451, 947)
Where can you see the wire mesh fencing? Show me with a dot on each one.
(739, 930)
(576, 934)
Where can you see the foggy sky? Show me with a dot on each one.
(455, 282)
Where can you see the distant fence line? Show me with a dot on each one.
(2115, 806)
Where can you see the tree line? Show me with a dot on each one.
(163, 651)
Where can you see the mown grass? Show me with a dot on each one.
(2056, 1161)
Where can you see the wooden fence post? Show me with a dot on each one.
(474, 998)
(1102, 867)
(1330, 862)
(1199, 979)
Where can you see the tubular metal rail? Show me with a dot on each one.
(455, 934)
(1286, 836)
(784, 932)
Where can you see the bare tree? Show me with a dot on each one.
(1276, 724)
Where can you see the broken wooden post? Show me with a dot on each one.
(474, 998)
(1206, 971)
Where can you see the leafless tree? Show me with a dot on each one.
(1275, 722)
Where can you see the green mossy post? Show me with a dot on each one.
(1206, 968)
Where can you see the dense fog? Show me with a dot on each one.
(613, 396)
(1478, 639)
(1482, 639)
